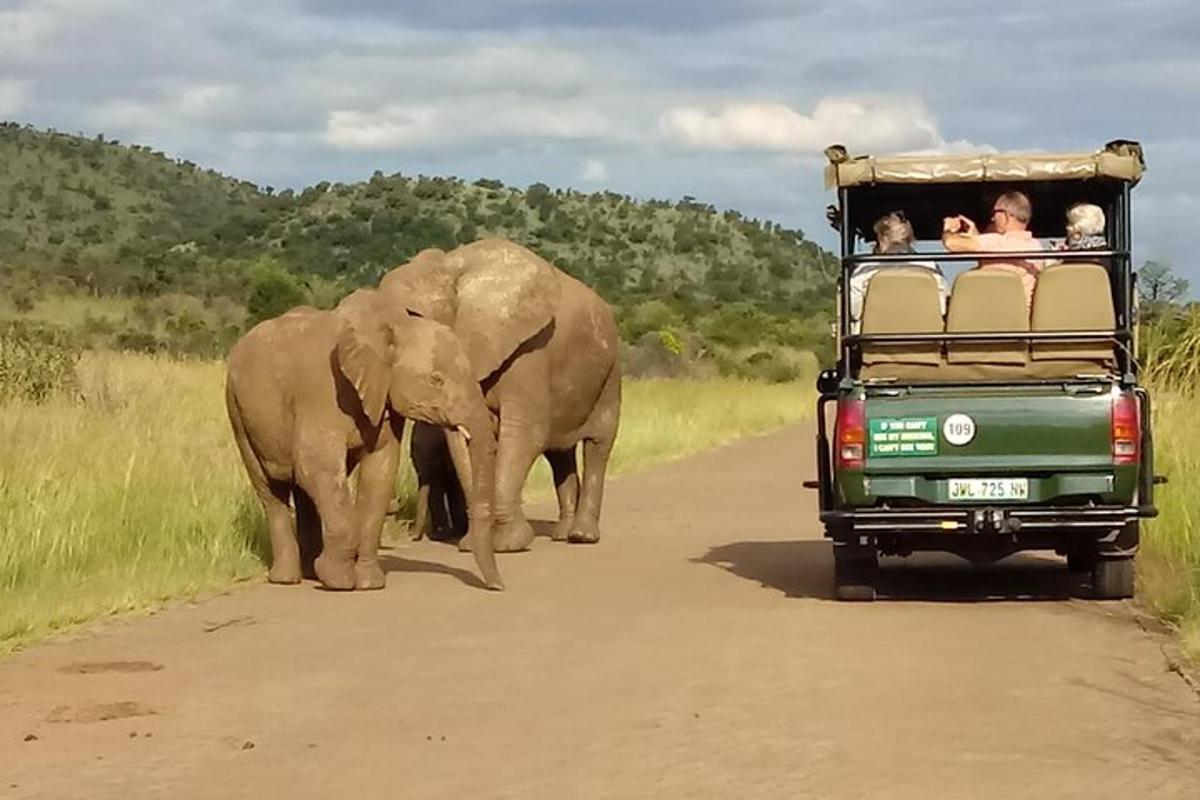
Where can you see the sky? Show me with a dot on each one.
(730, 101)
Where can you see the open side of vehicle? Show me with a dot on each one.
(999, 427)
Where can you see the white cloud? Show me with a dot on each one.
(861, 123)
(24, 32)
(594, 171)
(13, 95)
(399, 127)
(29, 34)
(174, 108)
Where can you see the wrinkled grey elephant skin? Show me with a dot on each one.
(314, 395)
(544, 348)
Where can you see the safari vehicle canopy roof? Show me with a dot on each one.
(929, 187)
(1119, 160)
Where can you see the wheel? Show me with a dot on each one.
(1112, 578)
(854, 575)
(1081, 560)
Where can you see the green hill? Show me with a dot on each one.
(105, 219)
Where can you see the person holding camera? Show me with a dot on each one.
(1008, 232)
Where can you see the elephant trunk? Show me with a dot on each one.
(474, 458)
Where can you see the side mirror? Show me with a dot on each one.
(827, 381)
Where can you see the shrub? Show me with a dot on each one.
(652, 315)
(273, 291)
(772, 364)
(36, 361)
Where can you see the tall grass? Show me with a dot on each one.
(1169, 564)
(128, 491)
(120, 499)
(664, 419)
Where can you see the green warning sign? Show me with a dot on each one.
(902, 436)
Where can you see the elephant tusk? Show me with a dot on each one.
(462, 429)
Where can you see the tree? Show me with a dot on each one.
(273, 290)
(1158, 285)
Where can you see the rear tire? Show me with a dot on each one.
(854, 575)
(1112, 578)
(1081, 561)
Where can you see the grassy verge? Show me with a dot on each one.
(133, 494)
(666, 419)
(122, 499)
(1169, 563)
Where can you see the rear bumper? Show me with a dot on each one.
(982, 519)
(985, 534)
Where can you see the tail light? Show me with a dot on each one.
(1126, 428)
(850, 433)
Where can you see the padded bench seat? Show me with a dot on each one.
(1068, 297)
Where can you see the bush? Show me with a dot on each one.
(772, 364)
(36, 361)
(137, 341)
(661, 354)
(273, 291)
(737, 324)
(652, 315)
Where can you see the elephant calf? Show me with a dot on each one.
(313, 395)
(441, 502)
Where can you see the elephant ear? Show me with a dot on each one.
(506, 295)
(424, 285)
(364, 365)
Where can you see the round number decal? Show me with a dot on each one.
(958, 429)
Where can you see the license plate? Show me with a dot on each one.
(989, 488)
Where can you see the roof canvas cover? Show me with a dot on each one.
(1119, 160)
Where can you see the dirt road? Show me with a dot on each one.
(694, 653)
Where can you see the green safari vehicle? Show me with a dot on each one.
(1005, 424)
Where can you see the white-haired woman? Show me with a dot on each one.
(1085, 228)
(893, 234)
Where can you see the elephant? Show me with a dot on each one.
(544, 349)
(315, 395)
(441, 501)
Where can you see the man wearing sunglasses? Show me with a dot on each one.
(1008, 232)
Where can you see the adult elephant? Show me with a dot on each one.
(543, 347)
(313, 395)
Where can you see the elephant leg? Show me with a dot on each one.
(566, 484)
(425, 451)
(321, 473)
(273, 495)
(285, 554)
(597, 447)
(308, 531)
(420, 526)
(376, 483)
(455, 478)
(517, 449)
(456, 509)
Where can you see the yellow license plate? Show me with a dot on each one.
(964, 489)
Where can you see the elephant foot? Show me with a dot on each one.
(584, 531)
(513, 537)
(284, 573)
(562, 530)
(335, 574)
(369, 576)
